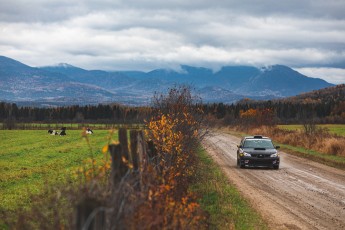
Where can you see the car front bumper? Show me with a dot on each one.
(256, 161)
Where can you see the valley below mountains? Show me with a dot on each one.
(65, 84)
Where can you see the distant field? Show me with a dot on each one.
(58, 126)
(31, 158)
(335, 129)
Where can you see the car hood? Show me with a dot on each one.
(259, 151)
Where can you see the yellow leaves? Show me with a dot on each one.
(105, 149)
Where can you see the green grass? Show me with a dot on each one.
(30, 159)
(226, 207)
(338, 129)
(57, 126)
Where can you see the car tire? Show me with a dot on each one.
(239, 164)
(276, 167)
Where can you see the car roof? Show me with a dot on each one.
(257, 137)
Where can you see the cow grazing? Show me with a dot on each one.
(89, 131)
(53, 132)
(63, 133)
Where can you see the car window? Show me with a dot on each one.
(258, 143)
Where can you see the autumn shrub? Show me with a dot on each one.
(175, 129)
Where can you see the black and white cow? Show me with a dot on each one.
(63, 131)
(53, 132)
(89, 131)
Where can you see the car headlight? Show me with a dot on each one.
(275, 154)
(243, 153)
(246, 154)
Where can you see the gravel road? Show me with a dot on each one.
(302, 194)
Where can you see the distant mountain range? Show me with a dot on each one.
(65, 84)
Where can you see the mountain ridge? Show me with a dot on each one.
(76, 85)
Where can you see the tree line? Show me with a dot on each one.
(111, 113)
(279, 112)
(322, 106)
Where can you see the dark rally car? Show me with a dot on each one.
(257, 151)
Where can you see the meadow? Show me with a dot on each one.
(31, 159)
(338, 129)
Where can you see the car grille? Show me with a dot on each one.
(261, 155)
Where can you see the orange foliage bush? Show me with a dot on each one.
(175, 131)
(255, 117)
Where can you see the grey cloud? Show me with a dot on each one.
(59, 10)
(131, 34)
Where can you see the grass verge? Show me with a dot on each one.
(226, 207)
(330, 160)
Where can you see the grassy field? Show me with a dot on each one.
(227, 208)
(338, 129)
(57, 126)
(29, 159)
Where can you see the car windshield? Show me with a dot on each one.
(258, 143)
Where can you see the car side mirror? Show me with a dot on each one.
(277, 147)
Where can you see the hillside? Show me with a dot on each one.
(326, 95)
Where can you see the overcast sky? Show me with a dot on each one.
(307, 35)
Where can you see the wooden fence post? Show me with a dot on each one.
(152, 151)
(142, 150)
(123, 139)
(118, 166)
(134, 149)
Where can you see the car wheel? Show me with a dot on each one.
(241, 165)
(275, 166)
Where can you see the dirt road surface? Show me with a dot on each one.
(300, 195)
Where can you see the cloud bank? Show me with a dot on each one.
(143, 35)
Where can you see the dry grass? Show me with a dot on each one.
(334, 146)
